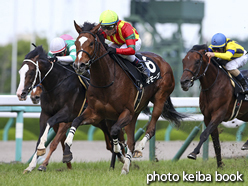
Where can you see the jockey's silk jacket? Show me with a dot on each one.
(232, 51)
(125, 34)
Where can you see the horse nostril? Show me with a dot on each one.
(75, 66)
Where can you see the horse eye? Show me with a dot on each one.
(91, 44)
(197, 61)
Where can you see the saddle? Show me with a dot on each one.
(238, 92)
(133, 72)
(136, 76)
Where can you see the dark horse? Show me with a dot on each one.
(111, 94)
(62, 100)
(216, 98)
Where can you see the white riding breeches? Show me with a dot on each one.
(237, 63)
(131, 58)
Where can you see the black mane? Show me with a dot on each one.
(37, 51)
(87, 26)
(199, 47)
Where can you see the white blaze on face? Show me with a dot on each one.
(22, 73)
(82, 41)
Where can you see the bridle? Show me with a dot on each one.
(94, 58)
(196, 75)
(37, 73)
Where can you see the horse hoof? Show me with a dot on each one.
(41, 152)
(26, 171)
(192, 156)
(137, 154)
(42, 168)
(124, 172)
(67, 158)
(244, 147)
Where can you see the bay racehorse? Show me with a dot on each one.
(111, 93)
(217, 100)
(62, 100)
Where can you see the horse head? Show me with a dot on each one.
(30, 74)
(87, 46)
(195, 65)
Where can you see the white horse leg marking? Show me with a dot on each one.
(22, 73)
(128, 158)
(142, 143)
(32, 164)
(43, 138)
(117, 147)
(70, 136)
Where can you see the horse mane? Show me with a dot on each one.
(87, 26)
(199, 47)
(37, 51)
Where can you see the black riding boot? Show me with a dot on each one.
(244, 84)
(142, 68)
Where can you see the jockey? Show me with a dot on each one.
(62, 50)
(230, 51)
(124, 37)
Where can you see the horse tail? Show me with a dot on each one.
(171, 114)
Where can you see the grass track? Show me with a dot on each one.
(98, 173)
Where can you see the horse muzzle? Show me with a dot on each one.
(80, 68)
(186, 84)
(22, 96)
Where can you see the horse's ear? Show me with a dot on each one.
(36, 57)
(78, 28)
(96, 28)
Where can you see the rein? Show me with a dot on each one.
(196, 76)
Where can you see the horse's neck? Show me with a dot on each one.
(209, 79)
(50, 79)
(102, 72)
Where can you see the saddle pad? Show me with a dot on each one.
(150, 64)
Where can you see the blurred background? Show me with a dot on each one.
(169, 28)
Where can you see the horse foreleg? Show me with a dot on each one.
(91, 119)
(41, 149)
(32, 164)
(203, 137)
(217, 149)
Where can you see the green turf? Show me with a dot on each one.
(98, 173)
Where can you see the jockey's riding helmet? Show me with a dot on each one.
(57, 45)
(108, 17)
(218, 40)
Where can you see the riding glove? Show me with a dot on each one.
(53, 59)
(111, 50)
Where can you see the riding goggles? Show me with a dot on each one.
(107, 27)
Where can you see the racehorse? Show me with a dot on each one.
(59, 84)
(217, 98)
(111, 94)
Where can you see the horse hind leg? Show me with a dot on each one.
(150, 131)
